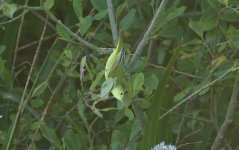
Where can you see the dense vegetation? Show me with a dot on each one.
(177, 69)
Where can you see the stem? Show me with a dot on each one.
(145, 38)
(22, 102)
(198, 91)
(229, 115)
(112, 22)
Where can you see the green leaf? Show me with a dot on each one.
(161, 56)
(83, 62)
(77, 6)
(118, 140)
(68, 53)
(205, 23)
(9, 9)
(129, 113)
(85, 24)
(106, 87)
(62, 32)
(197, 27)
(230, 15)
(224, 2)
(81, 108)
(136, 128)
(40, 89)
(36, 103)
(182, 94)
(74, 141)
(100, 15)
(138, 83)
(48, 4)
(99, 5)
(175, 12)
(51, 136)
(97, 80)
(2, 49)
(128, 20)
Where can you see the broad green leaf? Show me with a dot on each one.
(81, 108)
(128, 20)
(118, 140)
(138, 83)
(35, 125)
(51, 136)
(224, 2)
(230, 15)
(150, 83)
(2, 49)
(62, 32)
(74, 141)
(216, 62)
(36, 103)
(2, 67)
(97, 80)
(197, 27)
(68, 53)
(175, 13)
(77, 6)
(99, 5)
(129, 113)
(206, 23)
(136, 128)
(9, 9)
(182, 94)
(48, 4)
(83, 62)
(161, 56)
(100, 15)
(106, 87)
(40, 89)
(143, 103)
(85, 23)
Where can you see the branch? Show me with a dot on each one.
(229, 115)
(151, 27)
(74, 35)
(112, 22)
(198, 91)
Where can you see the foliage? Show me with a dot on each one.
(175, 73)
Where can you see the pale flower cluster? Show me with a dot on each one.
(161, 146)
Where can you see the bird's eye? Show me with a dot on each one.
(121, 93)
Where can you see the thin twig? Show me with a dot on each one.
(112, 21)
(229, 115)
(14, 19)
(198, 91)
(22, 104)
(176, 71)
(145, 38)
(74, 35)
(18, 38)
